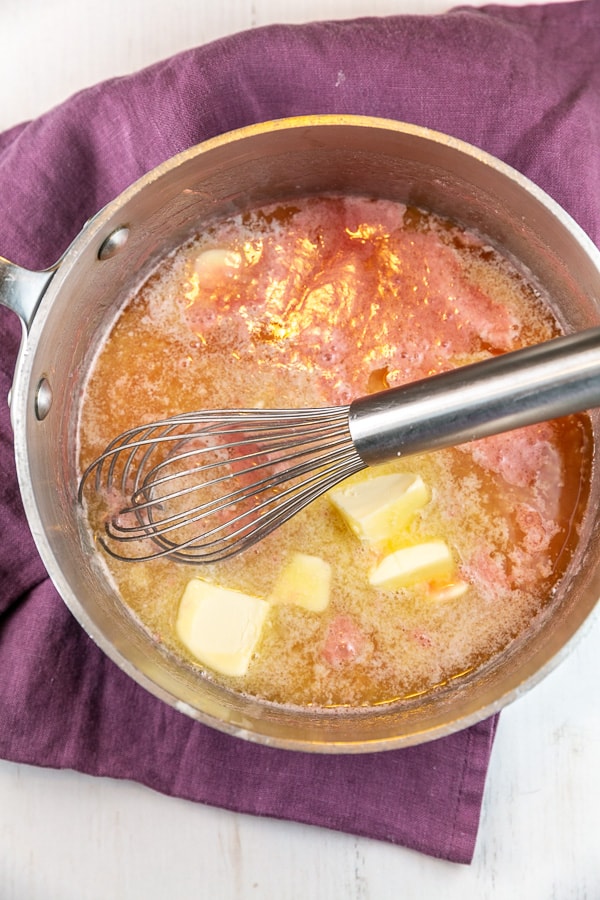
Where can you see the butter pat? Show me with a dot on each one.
(219, 626)
(378, 508)
(304, 581)
(211, 265)
(430, 561)
(447, 592)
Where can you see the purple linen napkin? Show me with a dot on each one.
(522, 83)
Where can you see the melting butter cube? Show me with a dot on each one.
(305, 581)
(447, 592)
(219, 626)
(214, 264)
(429, 561)
(378, 508)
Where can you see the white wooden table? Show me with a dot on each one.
(65, 836)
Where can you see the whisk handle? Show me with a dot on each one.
(538, 383)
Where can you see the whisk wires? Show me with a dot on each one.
(204, 486)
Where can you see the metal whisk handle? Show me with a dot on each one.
(548, 380)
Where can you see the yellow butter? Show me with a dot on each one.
(304, 581)
(213, 264)
(446, 592)
(429, 561)
(219, 626)
(378, 508)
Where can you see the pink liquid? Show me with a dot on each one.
(315, 304)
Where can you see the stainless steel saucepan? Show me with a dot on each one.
(67, 310)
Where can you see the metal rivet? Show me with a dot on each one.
(43, 399)
(115, 241)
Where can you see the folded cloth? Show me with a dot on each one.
(522, 83)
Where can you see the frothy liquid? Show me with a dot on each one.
(315, 304)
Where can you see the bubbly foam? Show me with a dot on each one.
(314, 304)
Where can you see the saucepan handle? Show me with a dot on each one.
(22, 289)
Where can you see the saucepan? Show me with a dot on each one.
(67, 309)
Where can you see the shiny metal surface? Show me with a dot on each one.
(261, 164)
(115, 242)
(22, 290)
(207, 485)
(499, 394)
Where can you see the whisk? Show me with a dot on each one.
(204, 486)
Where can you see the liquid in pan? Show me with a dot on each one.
(313, 304)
